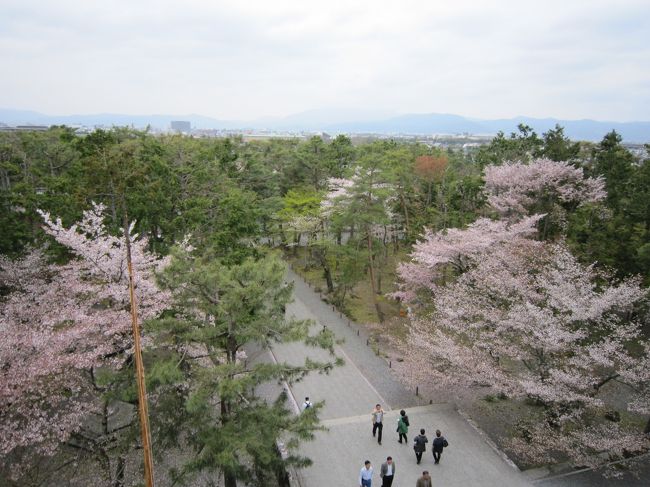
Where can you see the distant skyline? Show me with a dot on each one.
(235, 60)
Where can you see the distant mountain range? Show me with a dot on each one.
(349, 121)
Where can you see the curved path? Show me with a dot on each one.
(351, 391)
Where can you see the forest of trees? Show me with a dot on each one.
(525, 264)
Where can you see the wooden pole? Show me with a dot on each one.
(143, 409)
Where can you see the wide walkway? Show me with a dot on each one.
(351, 391)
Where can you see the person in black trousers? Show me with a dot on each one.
(402, 426)
(377, 421)
(439, 442)
(419, 445)
(387, 472)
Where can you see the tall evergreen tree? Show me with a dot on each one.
(220, 314)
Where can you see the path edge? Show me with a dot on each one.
(484, 436)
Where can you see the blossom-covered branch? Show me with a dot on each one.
(58, 322)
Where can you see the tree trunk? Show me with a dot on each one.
(229, 480)
(5, 182)
(407, 226)
(328, 277)
(319, 254)
(112, 187)
(343, 295)
(371, 269)
(105, 418)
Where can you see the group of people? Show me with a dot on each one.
(387, 471)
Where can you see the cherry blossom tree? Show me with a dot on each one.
(59, 324)
(499, 308)
(516, 189)
(529, 320)
(457, 249)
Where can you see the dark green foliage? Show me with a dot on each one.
(526, 145)
(522, 146)
(558, 147)
(618, 234)
(221, 311)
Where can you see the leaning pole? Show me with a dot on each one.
(139, 368)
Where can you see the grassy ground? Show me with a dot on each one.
(359, 305)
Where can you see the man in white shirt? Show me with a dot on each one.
(377, 421)
(307, 404)
(387, 472)
(365, 475)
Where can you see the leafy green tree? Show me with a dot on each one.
(347, 269)
(617, 237)
(220, 312)
(124, 168)
(300, 214)
(558, 147)
(311, 165)
(37, 170)
(341, 155)
(400, 171)
(361, 202)
(613, 161)
(519, 146)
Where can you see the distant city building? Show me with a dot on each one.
(181, 126)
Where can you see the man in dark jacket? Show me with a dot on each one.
(424, 481)
(387, 472)
(419, 445)
(439, 442)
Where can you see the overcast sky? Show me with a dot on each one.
(245, 59)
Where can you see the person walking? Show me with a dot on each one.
(387, 472)
(402, 426)
(365, 475)
(419, 445)
(377, 422)
(307, 404)
(424, 481)
(439, 442)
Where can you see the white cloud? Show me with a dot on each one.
(238, 60)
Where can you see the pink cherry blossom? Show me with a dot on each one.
(60, 322)
(528, 319)
(514, 188)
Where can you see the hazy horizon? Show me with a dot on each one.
(353, 115)
(234, 61)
